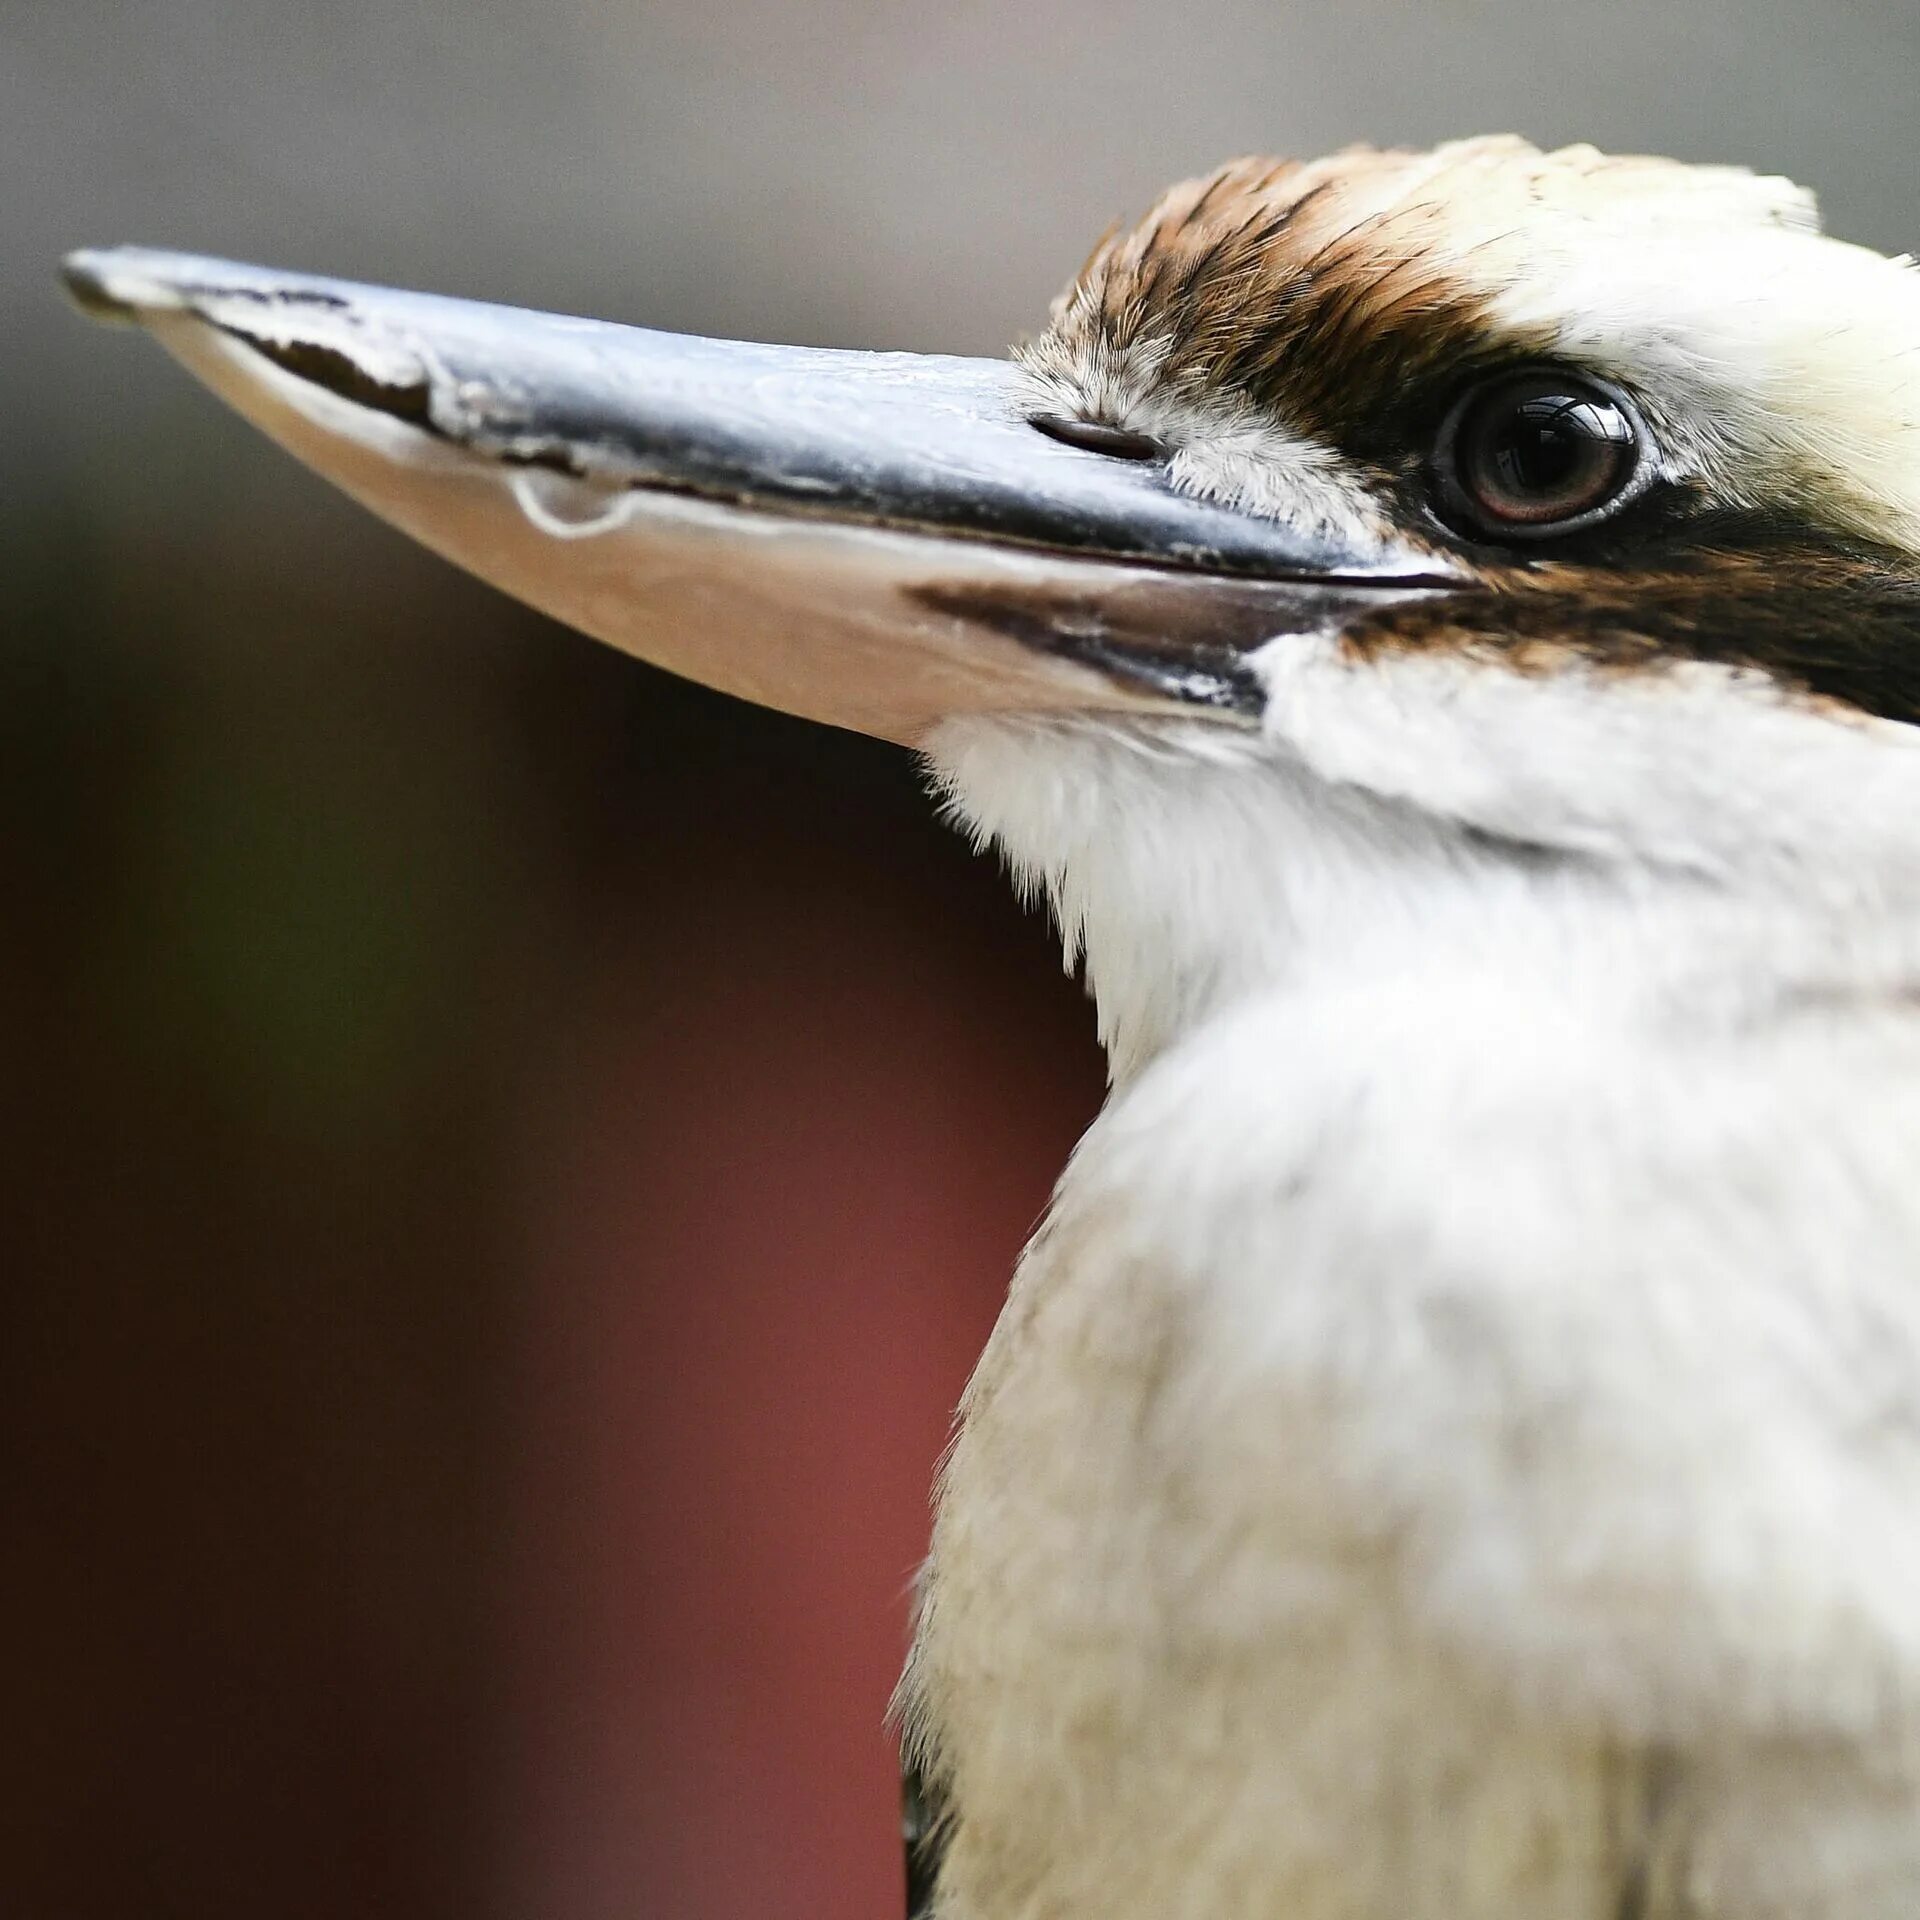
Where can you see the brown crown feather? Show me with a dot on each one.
(1319, 290)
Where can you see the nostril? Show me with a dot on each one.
(1096, 436)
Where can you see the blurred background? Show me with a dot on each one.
(509, 1158)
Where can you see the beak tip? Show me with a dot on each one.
(120, 286)
(87, 277)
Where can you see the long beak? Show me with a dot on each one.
(875, 540)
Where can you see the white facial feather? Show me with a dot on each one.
(1779, 363)
(1188, 864)
(1221, 447)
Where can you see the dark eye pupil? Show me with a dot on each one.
(1544, 445)
(1544, 448)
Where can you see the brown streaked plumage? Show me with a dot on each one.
(1333, 299)
(1285, 282)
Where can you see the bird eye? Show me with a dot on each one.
(1540, 453)
(1096, 436)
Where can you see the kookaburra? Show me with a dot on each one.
(1443, 633)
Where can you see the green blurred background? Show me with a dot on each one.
(509, 1157)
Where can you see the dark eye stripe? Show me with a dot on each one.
(1118, 443)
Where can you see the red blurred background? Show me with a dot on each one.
(507, 1222)
(509, 1159)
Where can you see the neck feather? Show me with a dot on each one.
(1192, 868)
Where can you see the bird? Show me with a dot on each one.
(1440, 631)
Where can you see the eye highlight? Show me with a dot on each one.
(1118, 443)
(1540, 453)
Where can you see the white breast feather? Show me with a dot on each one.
(1453, 1450)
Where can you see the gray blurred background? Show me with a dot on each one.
(508, 1158)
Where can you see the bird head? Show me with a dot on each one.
(1354, 526)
